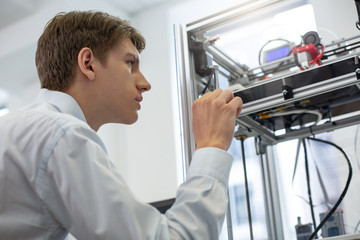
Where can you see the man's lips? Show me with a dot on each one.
(138, 100)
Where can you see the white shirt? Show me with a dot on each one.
(56, 177)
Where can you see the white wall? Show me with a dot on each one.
(18, 45)
(335, 19)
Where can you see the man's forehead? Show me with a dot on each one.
(128, 48)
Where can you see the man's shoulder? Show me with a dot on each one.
(45, 126)
(44, 118)
(50, 115)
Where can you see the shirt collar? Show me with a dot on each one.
(62, 101)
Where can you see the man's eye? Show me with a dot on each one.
(130, 63)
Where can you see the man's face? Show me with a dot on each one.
(122, 84)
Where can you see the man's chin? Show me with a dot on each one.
(131, 120)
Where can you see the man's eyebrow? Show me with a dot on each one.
(136, 58)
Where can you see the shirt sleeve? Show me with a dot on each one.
(87, 195)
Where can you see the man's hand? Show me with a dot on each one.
(214, 117)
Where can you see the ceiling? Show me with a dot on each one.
(134, 6)
(14, 10)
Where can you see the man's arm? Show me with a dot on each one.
(88, 196)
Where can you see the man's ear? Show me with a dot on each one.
(86, 63)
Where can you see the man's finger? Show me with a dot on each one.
(213, 95)
(226, 96)
(237, 104)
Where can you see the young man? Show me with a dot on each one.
(55, 175)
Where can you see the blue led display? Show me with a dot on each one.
(277, 53)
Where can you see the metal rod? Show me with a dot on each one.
(300, 93)
(247, 190)
(228, 220)
(265, 133)
(233, 70)
(308, 184)
(227, 57)
(229, 15)
(268, 199)
(317, 129)
(342, 41)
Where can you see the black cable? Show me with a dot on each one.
(357, 4)
(333, 209)
(296, 161)
(308, 183)
(208, 81)
(341, 50)
(214, 79)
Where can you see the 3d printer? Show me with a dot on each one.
(296, 91)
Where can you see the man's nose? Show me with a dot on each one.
(143, 84)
